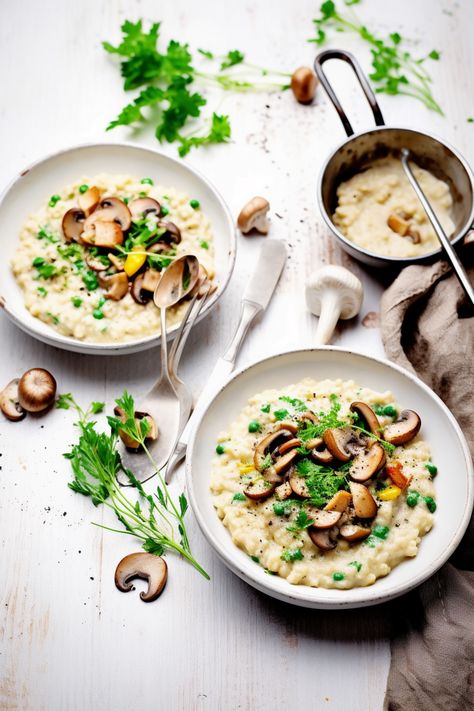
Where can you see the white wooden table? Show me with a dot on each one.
(69, 639)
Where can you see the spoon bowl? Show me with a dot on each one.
(177, 281)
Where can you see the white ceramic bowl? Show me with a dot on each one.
(454, 483)
(28, 191)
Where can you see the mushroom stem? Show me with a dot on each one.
(330, 312)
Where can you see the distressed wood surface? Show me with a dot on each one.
(69, 639)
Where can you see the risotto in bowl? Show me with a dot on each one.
(88, 233)
(320, 477)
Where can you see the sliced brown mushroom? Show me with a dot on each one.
(171, 234)
(151, 279)
(36, 390)
(138, 293)
(116, 285)
(73, 224)
(142, 207)
(9, 402)
(367, 463)
(289, 444)
(283, 463)
(283, 491)
(89, 200)
(303, 84)
(102, 234)
(115, 211)
(253, 216)
(404, 429)
(326, 540)
(152, 426)
(353, 532)
(298, 484)
(269, 443)
(339, 502)
(145, 566)
(130, 442)
(363, 501)
(344, 442)
(398, 224)
(94, 262)
(319, 452)
(366, 414)
(322, 518)
(259, 489)
(118, 262)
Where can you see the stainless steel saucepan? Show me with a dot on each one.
(359, 149)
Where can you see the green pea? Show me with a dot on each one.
(97, 313)
(337, 577)
(90, 280)
(390, 411)
(76, 301)
(381, 532)
(164, 210)
(432, 468)
(195, 204)
(220, 449)
(147, 181)
(53, 200)
(126, 200)
(412, 498)
(83, 188)
(279, 508)
(254, 426)
(431, 503)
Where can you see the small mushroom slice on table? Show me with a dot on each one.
(323, 519)
(259, 489)
(344, 442)
(404, 429)
(325, 540)
(9, 402)
(339, 502)
(73, 224)
(115, 284)
(364, 503)
(89, 200)
(353, 532)
(366, 414)
(367, 463)
(253, 216)
(145, 566)
(142, 207)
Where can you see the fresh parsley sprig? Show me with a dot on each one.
(166, 80)
(95, 462)
(395, 69)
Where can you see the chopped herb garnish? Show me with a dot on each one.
(164, 210)
(48, 236)
(45, 269)
(53, 318)
(53, 200)
(267, 462)
(255, 558)
(381, 532)
(301, 522)
(290, 555)
(76, 301)
(322, 482)
(239, 497)
(295, 402)
(147, 181)
(355, 564)
(42, 291)
(284, 508)
(326, 420)
(387, 410)
(281, 414)
(265, 408)
(203, 244)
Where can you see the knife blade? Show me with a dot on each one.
(255, 299)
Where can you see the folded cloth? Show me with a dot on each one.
(426, 330)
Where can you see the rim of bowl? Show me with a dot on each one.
(59, 340)
(313, 596)
(376, 255)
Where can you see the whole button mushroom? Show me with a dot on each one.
(333, 293)
(36, 390)
(9, 402)
(253, 216)
(303, 84)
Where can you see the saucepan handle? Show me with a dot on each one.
(369, 94)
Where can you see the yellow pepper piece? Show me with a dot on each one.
(133, 263)
(246, 468)
(390, 493)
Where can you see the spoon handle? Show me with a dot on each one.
(164, 346)
(440, 233)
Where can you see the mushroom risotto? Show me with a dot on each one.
(89, 260)
(326, 484)
(379, 210)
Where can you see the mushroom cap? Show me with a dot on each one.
(141, 207)
(259, 489)
(117, 212)
(404, 429)
(344, 442)
(116, 285)
(89, 200)
(145, 566)
(339, 502)
(343, 284)
(73, 224)
(353, 532)
(253, 216)
(322, 518)
(36, 390)
(366, 414)
(9, 402)
(326, 539)
(367, 463)
(172, 233)
(364, 503)
(139, 295)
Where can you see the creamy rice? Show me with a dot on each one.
(366, 201)
(51, 299)
(263, 535)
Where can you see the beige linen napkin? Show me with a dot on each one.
(425, 329)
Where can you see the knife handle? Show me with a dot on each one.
(248, 311)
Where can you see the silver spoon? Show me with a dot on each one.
(440, 233)
(163, 402)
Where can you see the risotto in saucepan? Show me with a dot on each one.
(326, 484)
(90, 258)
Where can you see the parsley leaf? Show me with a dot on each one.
(322, 482)
(232, 58)
(301, 522)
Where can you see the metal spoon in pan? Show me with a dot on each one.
(163, 402)
(440, 233)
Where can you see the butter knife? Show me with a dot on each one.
(255, 300)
